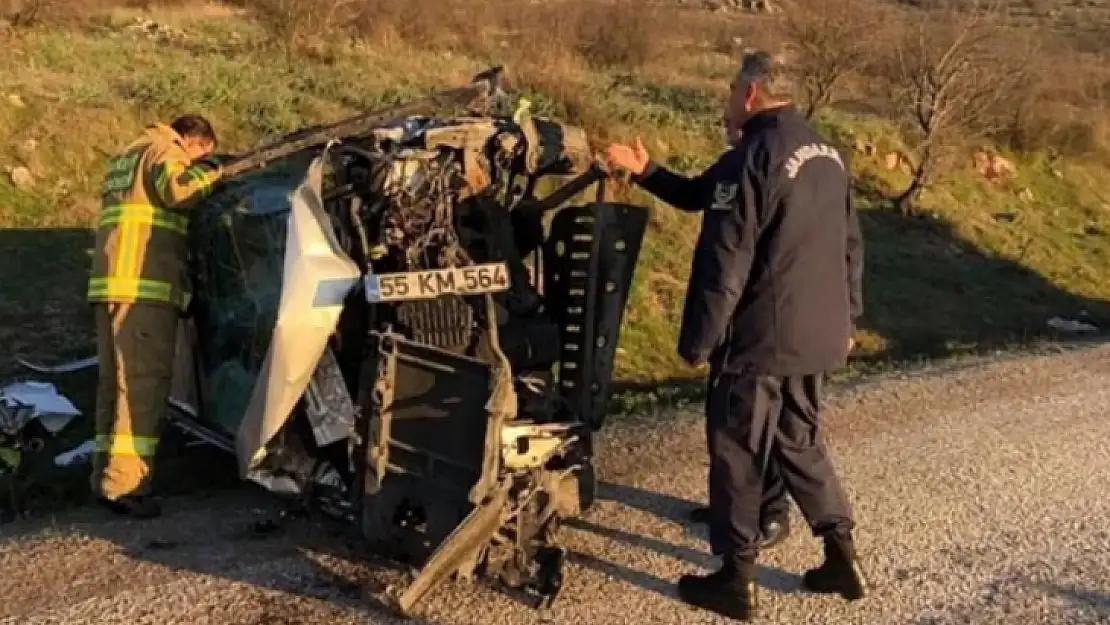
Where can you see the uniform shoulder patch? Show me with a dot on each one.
(724, 196)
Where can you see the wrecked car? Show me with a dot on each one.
(390, 322)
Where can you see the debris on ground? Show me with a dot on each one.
(155, 31)
(1071, 326)
(68, 367)
(20, 404)
(52, 409)
(77, 455)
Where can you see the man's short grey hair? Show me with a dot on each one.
(769, 72)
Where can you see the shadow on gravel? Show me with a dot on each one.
(672, 509)
(769, 578)
(1014, 592)
(229, 531)
(1096, 601)
(667, 507)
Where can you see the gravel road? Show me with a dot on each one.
(981, 495)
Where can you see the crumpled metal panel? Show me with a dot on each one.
(328, 405)
(594, 249)
(317, 277)
(271, 284)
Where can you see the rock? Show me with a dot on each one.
(22, 178)
(980, 161)
(16, 101)
(1026, 195)
(993, 167)
(154, 30)
(25, 151)
(1002, 167)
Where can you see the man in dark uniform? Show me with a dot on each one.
(774, 293)
(774, 516)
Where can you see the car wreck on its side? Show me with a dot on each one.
(390, 323)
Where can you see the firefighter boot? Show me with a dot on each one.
(840, 573)
(136, 506)
(731, 591)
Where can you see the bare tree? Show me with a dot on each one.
(24, 12)
(950, 70)
(831, 40)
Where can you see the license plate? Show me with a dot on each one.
(412, 285)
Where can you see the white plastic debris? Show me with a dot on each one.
(78, 455)
(53, 410)
(69, 367)
(1071, 326)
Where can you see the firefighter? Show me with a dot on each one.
(138, 289)
(774, 293)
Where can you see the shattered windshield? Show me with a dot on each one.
(238, 246)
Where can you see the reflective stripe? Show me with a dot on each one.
(131, 249)
(118, 289)
(161, 181)
(200, 175)
(126, 445)
(145, 215)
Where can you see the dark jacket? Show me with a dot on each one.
(775, 286)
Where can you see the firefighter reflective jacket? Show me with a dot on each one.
(141, 247)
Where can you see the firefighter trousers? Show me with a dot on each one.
(756, 422)
(135, 347)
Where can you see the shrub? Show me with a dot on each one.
(25, 13)
(620, 33)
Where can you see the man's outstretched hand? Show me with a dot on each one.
(633, 158)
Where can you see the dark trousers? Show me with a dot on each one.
(760, 423)
(774, 505)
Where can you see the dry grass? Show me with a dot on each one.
(610, 33)
(23, 13)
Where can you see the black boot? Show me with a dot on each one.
(701, 515)
(729, 592)
(840, 573)
(137, 506)
(774, 530)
